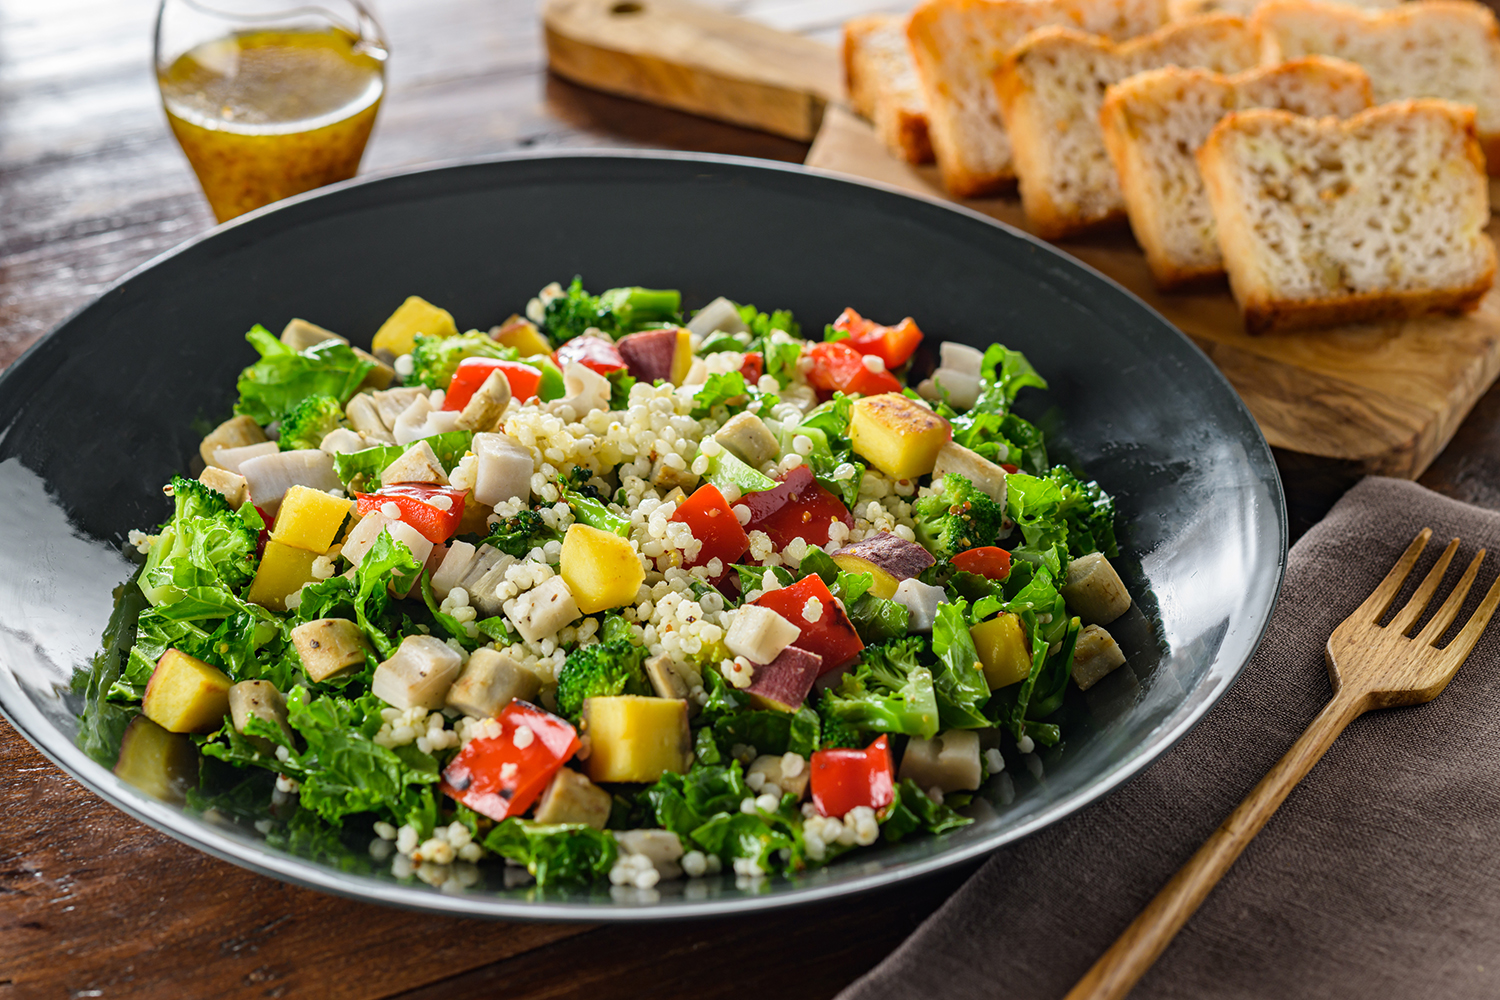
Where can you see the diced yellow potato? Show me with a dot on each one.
(309, 519)
(163, 765)
(1003, 650)
(600, 568)
(282, 570)
(416, 315)
(524, 337)
(885, 585)
(682, 357)
(898, 436)
(638, 739)
(186, 695)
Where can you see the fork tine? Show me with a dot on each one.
(1408, 615)
(1379, 601)
(1463, 644)
(1433, 630)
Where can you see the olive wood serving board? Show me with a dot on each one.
(1380, 398)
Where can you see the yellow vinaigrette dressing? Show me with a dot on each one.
(267, 114)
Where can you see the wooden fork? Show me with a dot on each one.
(1371, 667)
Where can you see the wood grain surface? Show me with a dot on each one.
(93, 904)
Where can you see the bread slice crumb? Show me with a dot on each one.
(1153, 124)
(1181, 9)
(882, 83)
(1448, 49)
(1050, 88)
(957, 44)
(1378, 216)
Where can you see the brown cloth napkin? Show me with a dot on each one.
(1378, 877)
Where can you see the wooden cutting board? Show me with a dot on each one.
(1383, 398)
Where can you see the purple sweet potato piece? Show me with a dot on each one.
(892, 553)
(783, 684)
(649, 354)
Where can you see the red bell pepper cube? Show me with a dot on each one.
(829, 633)
(502, 776)
(844, 779)
(796, 508)
(472, 372)
(591, 352)
(987, 560)
(892, 344)
(265, 533)
(1010, 468)
(420, 507)
(713, 523)
(754, 367)
(838, 366)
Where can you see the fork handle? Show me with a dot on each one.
(1134, 951)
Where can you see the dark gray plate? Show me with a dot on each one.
(100, 413)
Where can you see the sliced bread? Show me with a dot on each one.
(1323, 221)
(1050, 87)
(1154, 123)
(883, 85)
(957, 44)
(1196, 8)
(1449, 49)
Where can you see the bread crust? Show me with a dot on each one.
(880, 91)
(1263, 307)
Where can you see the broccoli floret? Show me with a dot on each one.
(616, 312)
(601, 670)
(313, 418)
(959, 518)
(206, 543)
(835, 733)
(435, 359)
(889, 691)
(520, 533)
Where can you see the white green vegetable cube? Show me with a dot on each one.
(418, 674)
(749, 438)
(490, 681)
(329, 646)
(1094, 656)
(542, 610)
(504, 470)
(573, 798)
(949, 761)
(759, 634)
(417, 464)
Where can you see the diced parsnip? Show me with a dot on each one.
(299, 335)
(602, 569)
(365, 419)
(959, 389)
(414, 540)
(230, 459)
(330, 646)
(697, 373)
(949, 761)
(363, 535)
(417, 464)
(749, 438)
(1095, 655)
(662, 847)
(310, 519)
(391, 403)
(504, 469)
(1094, 589)
(231, 485)
(454, 565)
(186, 695)
(523, 335)
(898, 436)
(420, 420)
(283, 570)
(343, 441)
(719, 316)
(921, 601)
(986, 476)
(419, 673)
(486, 408)
(773, 767)
(584, 391)
(664, 678)
(542, 610)
(486, 558)
(397, 335)
(960, 358)
(636, 739)
(1004, 651)
(263, 701)
(270, 476)
(759, 634)
(490, 681)
(236, 432)
(573, 798)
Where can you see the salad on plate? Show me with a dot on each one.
(609, 593)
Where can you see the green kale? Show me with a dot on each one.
(958, 678)
(435, 359)
(761, 324)
(555, 854)
(601, 670)
(1089, 513)
(311, 420)
(961, 517)
(1035, 505)
(989, 428)
(273, 386)
(913, 811)
(520, 533)
(202, 556)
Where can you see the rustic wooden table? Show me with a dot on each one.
(92, 904)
